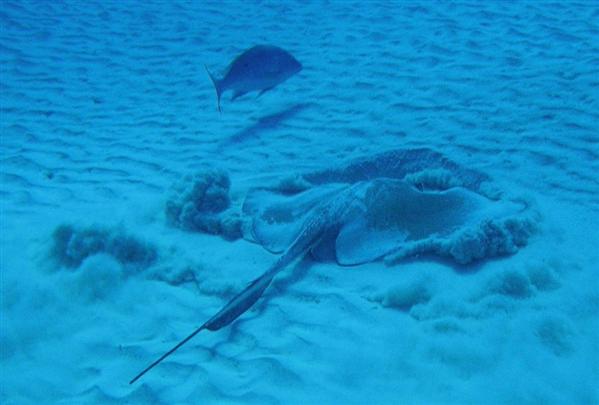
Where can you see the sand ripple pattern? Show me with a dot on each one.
(96, 98)
(104, 101)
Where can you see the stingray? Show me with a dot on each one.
(375, 219)
(309, 236)
(394, 204)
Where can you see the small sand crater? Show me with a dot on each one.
(556, 335)
(511, 283)
(404, 297)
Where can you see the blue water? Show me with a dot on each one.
(122, 202)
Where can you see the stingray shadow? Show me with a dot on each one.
(266, 123)
(458, 268)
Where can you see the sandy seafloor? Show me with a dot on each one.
(106, 104)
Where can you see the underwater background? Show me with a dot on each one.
(109, 123)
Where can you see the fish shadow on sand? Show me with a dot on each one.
(266, 123)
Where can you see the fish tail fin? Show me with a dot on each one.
(217, 86)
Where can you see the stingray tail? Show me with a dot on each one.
(234, 308)
(165, 355)
(217, 86)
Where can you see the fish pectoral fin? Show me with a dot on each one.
(264, 91)
(238, 94)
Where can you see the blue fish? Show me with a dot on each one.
(259, 68)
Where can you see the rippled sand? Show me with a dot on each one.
(105, 105)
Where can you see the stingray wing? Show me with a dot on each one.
(358, 243)
(276, 219)
(396, 216)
